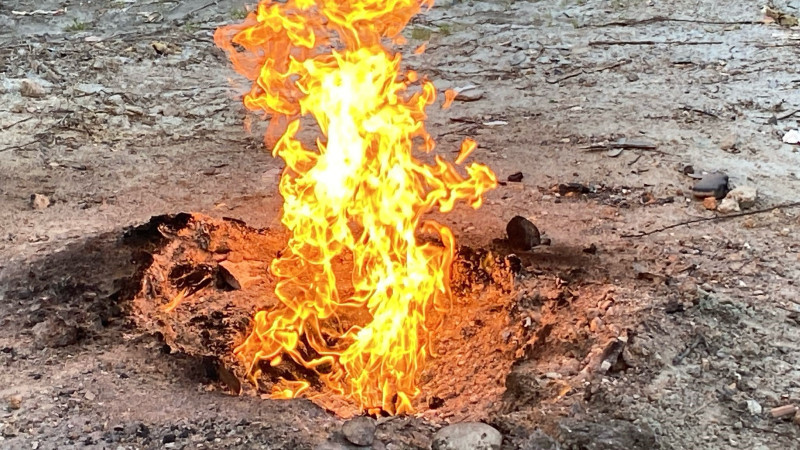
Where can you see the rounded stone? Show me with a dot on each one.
(359, 431)
(467, 436)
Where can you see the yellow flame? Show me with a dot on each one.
(360, 191)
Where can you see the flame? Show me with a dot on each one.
(359, 192)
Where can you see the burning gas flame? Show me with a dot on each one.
(359, 193)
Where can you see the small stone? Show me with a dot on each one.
(522, 233)
(792, 137)
(169, 437)
(796, 419)
(89, 395)
(745, 196)
(728, 205)
(710, 203)
(729, 142)
(467, 436)
(754, 408)
(711, 185)
(39, 201)
(14, 402)
(540, 441)
(632, 77)
(30, 88)
(515, 177)
(595, 325)
(469, 95)
(359, 430)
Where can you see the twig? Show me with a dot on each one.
(656, 19)
(787, 114)
(634, 145)
(767, 430)
(699, 111)
(698, 339)
(598, 43)
(19, 147)
(713, 219)
(635, 160)
(584, 71)
(16, 123)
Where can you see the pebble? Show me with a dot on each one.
(359, 431)
(515, 177)
(467, 436)
(522, 233)
(711, 185)
(30, 88)
(754, 407)
(469, 95)
(710, 203)
(744, 196)
(729, 142)
(39, 201)
(792, 137)
(728, 205)
(14, 402)
(540, 441)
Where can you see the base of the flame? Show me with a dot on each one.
(204, 279)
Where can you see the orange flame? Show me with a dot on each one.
(359, 192)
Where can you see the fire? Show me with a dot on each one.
(359, 193)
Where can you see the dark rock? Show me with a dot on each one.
(467, 436)
(359, 431)
(592, 249)
(540, 441)
(522, 233)
(55, 332)
(515, 177)
(169, 437)
(572, 188)
(142, 430)
(711, 185)
(611, 435)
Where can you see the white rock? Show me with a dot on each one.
(467, 436)
(792, 137)
(745, 196)
(754, 407)
(728, 205)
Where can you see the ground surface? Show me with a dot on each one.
(709, 312)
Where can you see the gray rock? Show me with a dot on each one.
(540, 441)
(711, 185)
(359, 431)
(469, 95)
(522, 233)
(610, 435)
(30, 88)
(467, 436)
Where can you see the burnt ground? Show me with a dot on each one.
(136, 118)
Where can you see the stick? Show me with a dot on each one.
(584, 71)
(16, 123)
(628, 23)
(597, 43)
(713, 219)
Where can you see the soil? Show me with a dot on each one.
(679, 339)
